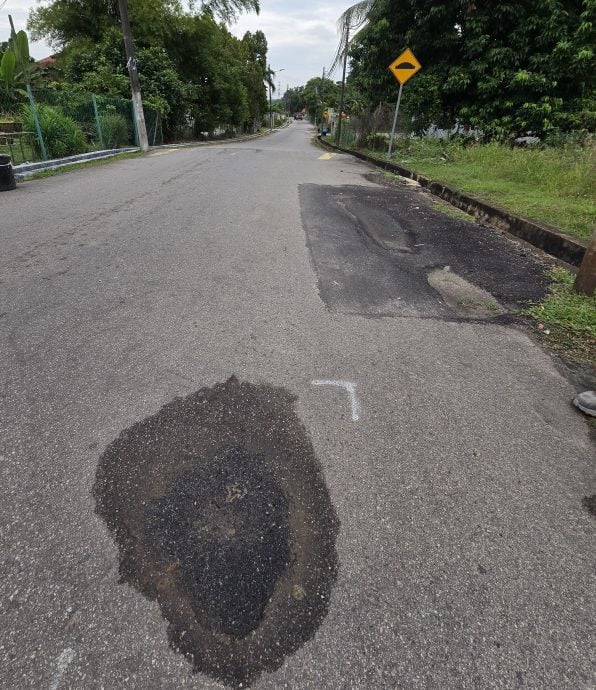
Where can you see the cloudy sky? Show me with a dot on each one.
(302, 35)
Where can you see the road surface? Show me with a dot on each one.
(267, 421)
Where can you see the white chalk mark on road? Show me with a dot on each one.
(350, 387)
(64, 660)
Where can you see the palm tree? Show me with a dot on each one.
(351, 20)
(269, 76)
(228, 10)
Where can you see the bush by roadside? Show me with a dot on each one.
(115, 130)
(61, 134)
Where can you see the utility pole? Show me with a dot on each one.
(585, 281)
(343, 84)
(269, 78)
(135, 86)
(322, 98)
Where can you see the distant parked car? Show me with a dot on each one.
(299, 116)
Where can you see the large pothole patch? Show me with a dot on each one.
(220, 512)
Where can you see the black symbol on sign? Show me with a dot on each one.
(405, 65)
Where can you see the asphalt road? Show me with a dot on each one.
(266, 421)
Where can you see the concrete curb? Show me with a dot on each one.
(24, 170)
(545, 237)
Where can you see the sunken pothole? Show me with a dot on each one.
(221, 514)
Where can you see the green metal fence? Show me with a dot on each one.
(43, 124)
(348, 134)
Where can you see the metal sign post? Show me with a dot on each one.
(401, 86)
(403, 68)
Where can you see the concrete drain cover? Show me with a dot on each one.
(221, 514)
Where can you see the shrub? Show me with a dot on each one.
(115, 130)
(376, 142)
(561, 140)
(61, 134)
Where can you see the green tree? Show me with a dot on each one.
(503, 68)
(225, 77)
(526, 67)
(254, 73)
(294, 100)
(190, 66)
(101, 69)
(64, 21)
(319, 94)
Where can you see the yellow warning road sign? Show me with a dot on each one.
(405, 66)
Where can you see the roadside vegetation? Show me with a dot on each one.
(552, 184)
(504, 69)
(197, 79)
(566, 321)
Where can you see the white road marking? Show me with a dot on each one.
(64, 660)
(350, 387)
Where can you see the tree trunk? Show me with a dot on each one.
(585, 281)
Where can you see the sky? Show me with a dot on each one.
(302, 35)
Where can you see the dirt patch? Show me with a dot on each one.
(462, 296)
(589, 503)
(220, 512)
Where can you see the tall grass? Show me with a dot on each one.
(565, 307)
(570, 318)
(62, 135)
(553, 185)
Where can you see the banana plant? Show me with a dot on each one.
(16, 67)
(7, 70)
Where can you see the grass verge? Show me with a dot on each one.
(565, 320)
(449, 210)
(553, 185)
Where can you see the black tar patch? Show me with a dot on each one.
(221, 514)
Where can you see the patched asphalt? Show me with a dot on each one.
(375, 248)
(221, 513)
